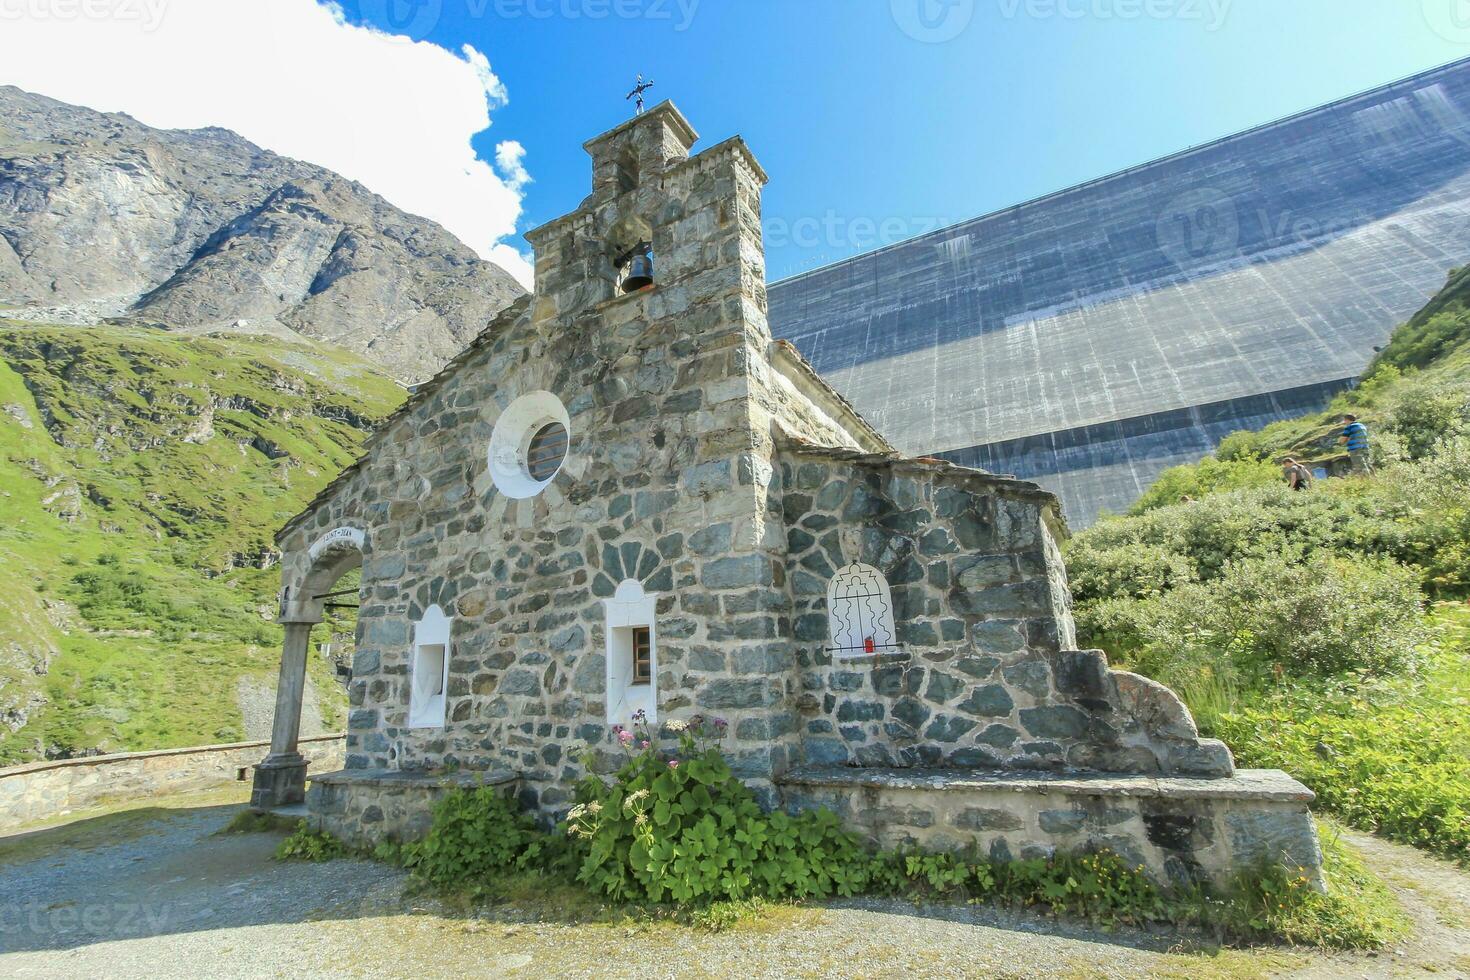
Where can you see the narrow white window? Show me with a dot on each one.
(429, 675)
(632, 655)
(860, 613)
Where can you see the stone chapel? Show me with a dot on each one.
(625, 496)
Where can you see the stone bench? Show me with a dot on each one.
(364, 806)
(1181, 830)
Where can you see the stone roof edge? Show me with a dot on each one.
(736, 145)
(927, 465)
(664, 108)
(787, 352)
(423, 393)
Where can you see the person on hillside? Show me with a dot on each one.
(1298, 477)
(1355, 434)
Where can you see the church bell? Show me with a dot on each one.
(640, 270)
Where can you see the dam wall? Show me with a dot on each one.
(1094, 337)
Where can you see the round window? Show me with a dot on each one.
(529, 444)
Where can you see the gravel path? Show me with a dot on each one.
(155, 893)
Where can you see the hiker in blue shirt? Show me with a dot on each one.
(1355, 434)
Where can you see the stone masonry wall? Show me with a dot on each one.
(986, 676)
(1180, 831)
(43, 790)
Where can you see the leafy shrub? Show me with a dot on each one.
(1262, 616)
(475, 833)
(685, 829)
(1387, 755)
(1134, 571)
(1196, 480)
(306, 844)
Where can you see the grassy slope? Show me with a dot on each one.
(125, 550)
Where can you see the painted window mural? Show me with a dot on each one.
(860, 612)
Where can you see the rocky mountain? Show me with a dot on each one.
(105, 219)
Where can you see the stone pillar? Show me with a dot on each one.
(280, 778)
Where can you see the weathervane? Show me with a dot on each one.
(638, 91)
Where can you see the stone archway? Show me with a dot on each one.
(280, 778)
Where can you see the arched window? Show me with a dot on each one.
(632, 654)
(860, 612)
(429, 671)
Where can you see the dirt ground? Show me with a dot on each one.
(153, 891)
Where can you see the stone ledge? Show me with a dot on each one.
(1245, 784)
(414, 778)
(86, 761)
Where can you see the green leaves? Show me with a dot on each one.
(475, 833)
(696, 833)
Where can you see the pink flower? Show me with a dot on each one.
(643, 744)
(626, 737)
(673, 763)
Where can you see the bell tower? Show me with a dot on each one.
(657, 219)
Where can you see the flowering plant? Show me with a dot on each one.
(680, 826)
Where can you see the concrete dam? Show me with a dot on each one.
(1091, 338)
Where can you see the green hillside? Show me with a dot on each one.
(1324, 632)
(142, 475)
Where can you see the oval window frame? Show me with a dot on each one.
(511, 438)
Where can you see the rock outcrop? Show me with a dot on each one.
(103, 218)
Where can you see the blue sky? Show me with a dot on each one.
(869, 129)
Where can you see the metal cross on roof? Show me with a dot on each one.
(638, 91)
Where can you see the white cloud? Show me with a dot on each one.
(295, 77)
(510, 157)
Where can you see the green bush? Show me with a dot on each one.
(1387, 755)
(306, 844)
(684, 829)
(475, 833)
(1246, 468)
(1264, 616)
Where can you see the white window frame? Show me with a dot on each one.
(510, 439)
(432, 651)
(859, 607)
(630, 607)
